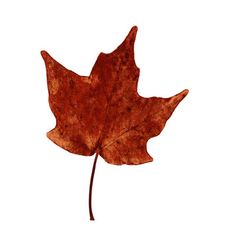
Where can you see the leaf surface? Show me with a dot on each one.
(103, 113)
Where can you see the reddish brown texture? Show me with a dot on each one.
(103, 113)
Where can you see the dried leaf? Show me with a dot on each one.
(103, 113)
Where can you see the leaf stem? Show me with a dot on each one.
(91, 187)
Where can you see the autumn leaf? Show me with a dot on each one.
(103, 113)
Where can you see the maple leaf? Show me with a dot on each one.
(103, 113)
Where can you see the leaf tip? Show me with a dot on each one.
(185, 92)
(132, 33)
(134, 29)
(176, 99)
(130, 38)
(44, 54)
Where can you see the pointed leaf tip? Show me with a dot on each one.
(44, 54)
(176, 99)
(134, 29)
(130, 38)
(185, 92)
(182, 94)
(132, 33)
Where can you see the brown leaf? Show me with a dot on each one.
(103, 112)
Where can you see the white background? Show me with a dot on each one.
(189, 189)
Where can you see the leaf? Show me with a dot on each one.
(103, 113)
